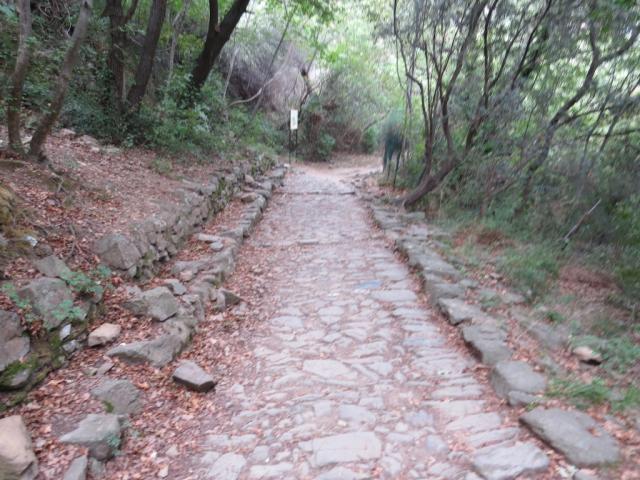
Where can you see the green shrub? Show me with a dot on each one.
(325, 147)
(369, 140)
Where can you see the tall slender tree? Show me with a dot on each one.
(14, 101)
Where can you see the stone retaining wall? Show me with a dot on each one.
(65, 302)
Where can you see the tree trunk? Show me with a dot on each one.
(14, 101)
(429, 183)
(70, 59)
(147, 54)
(217, 37)
(115, 58)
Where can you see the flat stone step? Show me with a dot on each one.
(575, 434)
(514, 376)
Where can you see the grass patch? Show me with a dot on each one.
(605, 326)
(582, 395)
(630, 399)
(555, 317)
(530, 269)
(470, 255)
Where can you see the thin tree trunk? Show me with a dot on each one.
(147, 54)
(176, 25)
(14, 102)
(217, 37)
(231, 66)
(68, 63)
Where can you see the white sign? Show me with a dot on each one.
(294, 120)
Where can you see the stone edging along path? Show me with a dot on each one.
(176, 308)
(577, 436)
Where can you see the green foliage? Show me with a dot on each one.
(531, 269)
(410, 171)
(114, 443)
(584, 395)
(82, 283)
(67, 311)
(9, 289)
(103, 272)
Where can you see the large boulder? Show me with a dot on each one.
(117, 251)
(444, 290)
(100, 433)
(574, 434)
(13, 344)
(46, 295)
(119, 396)
(509, 376)
(17, 460)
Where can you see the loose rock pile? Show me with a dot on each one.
(574, 434)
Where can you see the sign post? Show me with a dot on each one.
(293, 132)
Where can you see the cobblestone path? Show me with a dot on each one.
(347, 376)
